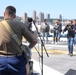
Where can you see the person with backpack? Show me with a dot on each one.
(44, 28)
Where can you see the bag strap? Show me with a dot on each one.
(7, 26)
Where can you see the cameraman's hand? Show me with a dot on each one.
(69, 26)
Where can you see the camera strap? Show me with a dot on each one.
(7, 26)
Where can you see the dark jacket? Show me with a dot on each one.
(70, 31)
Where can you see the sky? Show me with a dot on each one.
(67, 8)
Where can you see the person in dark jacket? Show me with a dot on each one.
(70, 35)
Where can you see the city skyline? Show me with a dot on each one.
(52, 7)
(37, 17)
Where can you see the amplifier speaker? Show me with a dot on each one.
(71, 72)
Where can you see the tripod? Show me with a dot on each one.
(42, 47)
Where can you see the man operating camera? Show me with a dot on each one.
(29, 22)
(70, 35)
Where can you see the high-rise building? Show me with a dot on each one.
(41, 17)
(24, 16)
(47, 16)
(34, 15)
(60, 17)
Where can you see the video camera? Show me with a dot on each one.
(68, 25)
(30, 19)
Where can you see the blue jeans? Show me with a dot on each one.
(75, 39)
(70, 45)
(12, 65)
(59, 35)
(45, 34)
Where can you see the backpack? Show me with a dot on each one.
(47, 28)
